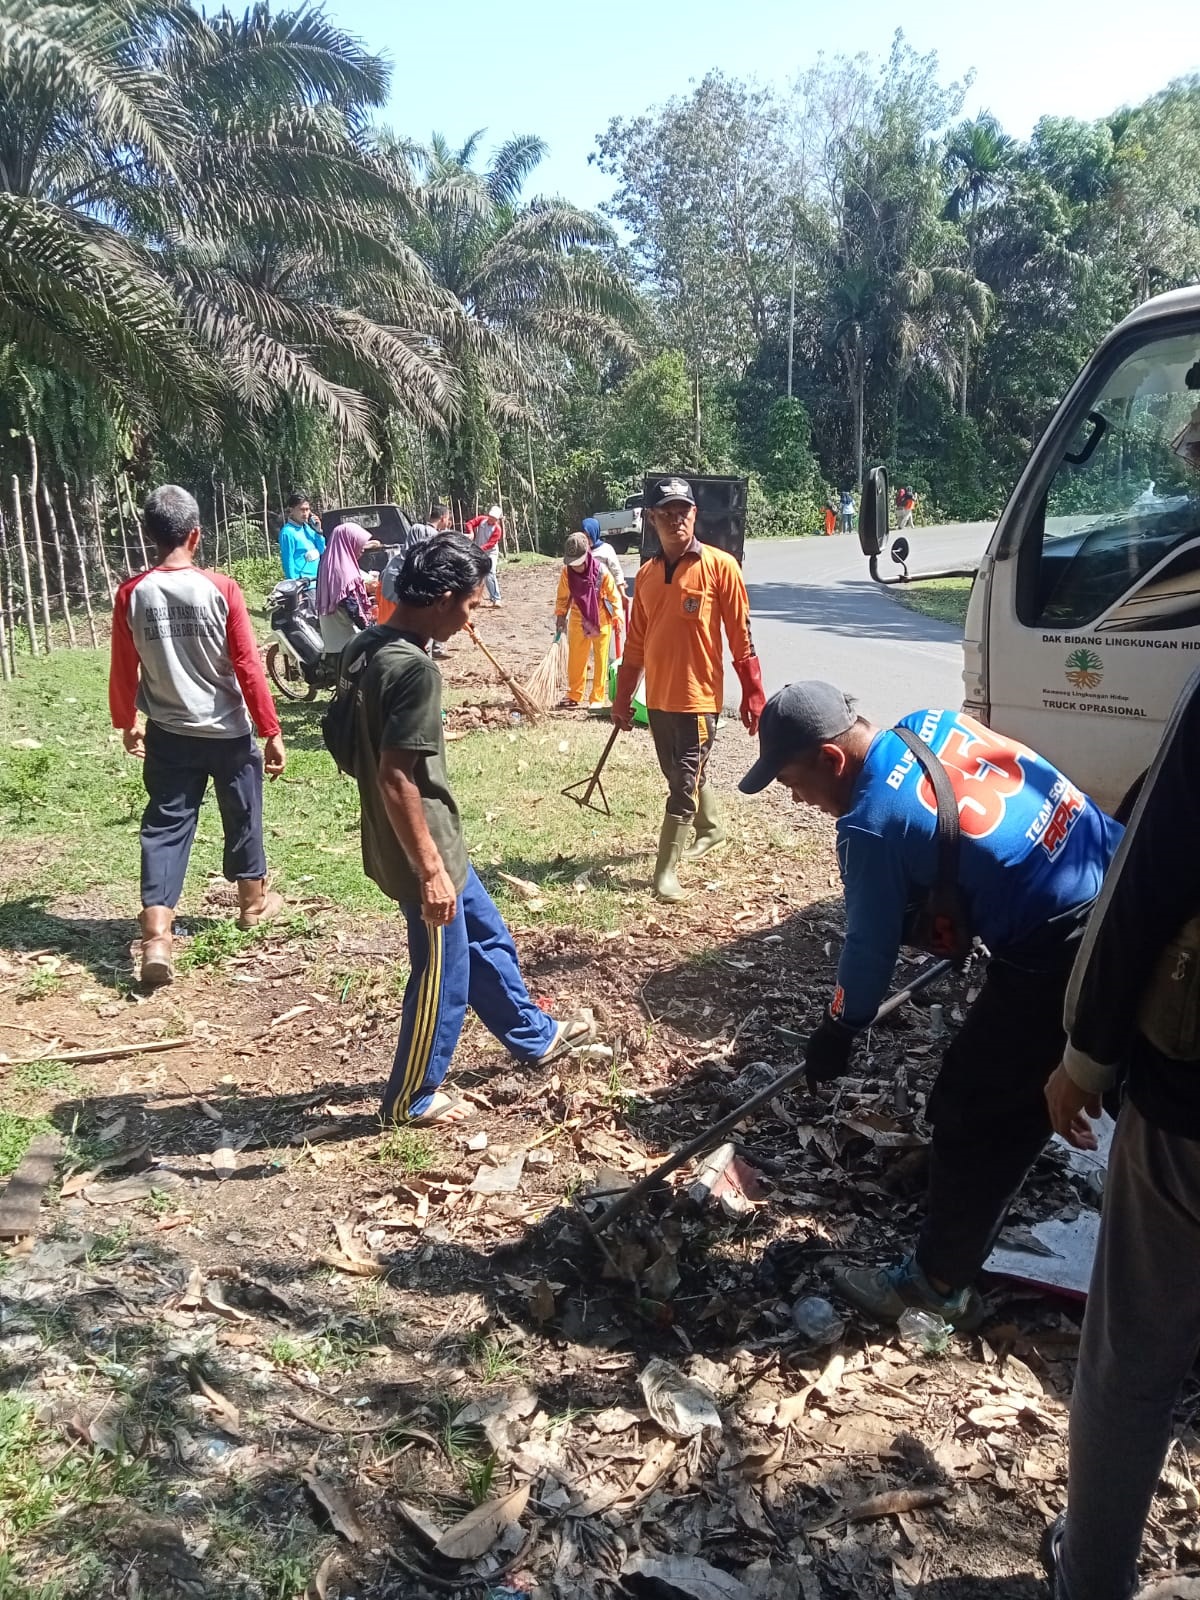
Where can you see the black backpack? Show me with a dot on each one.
(339, 724)
(939, 923)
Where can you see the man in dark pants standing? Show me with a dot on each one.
(1032, 854)
(682, 601)
(184, 653)
(1133, 1015)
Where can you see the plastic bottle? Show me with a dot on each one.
(925, 1329)
(816, 1320)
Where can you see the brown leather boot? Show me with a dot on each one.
(155, 923)
(256, 903)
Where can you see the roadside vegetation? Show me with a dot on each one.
(945, 599)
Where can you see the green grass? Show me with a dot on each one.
(480, 1476)
(16, 1133)
(338, 1350)
(494, 1356)
(69, 823)
(211, 946)
(412, 1150)
(38, 1479)
(33, 1077)
(942, 598)
(39, 986)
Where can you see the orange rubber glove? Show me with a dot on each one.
(753, 695)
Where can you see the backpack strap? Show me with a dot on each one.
(948, 830)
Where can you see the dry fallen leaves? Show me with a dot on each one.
(897, 1502)
(480, 1529)
(335, 1506)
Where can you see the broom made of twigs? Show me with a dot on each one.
(526, 705)
(546, 683)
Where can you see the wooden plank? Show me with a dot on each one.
(21, 1202)
(108, 1052)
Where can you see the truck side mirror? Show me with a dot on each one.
(873, 513)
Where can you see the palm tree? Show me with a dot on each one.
(978, 159)
(531, 282)
(292, 281)
(853, 304)
(191, 211)
(85, 117)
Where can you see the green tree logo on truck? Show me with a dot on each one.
(1084, 669)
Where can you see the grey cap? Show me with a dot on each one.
(794, 720)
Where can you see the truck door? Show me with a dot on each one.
(1093, 589)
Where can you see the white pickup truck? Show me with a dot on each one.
(622, 529)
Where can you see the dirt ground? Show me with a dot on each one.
(327, 1361)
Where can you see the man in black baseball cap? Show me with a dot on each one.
(1031, 855)
(795, 722)
(685, 597)
(668, 491)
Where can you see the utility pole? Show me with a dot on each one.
(792, 318)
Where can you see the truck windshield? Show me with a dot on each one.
(1116, 541)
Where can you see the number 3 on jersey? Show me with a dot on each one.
(985, 773)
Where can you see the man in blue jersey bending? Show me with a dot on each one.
(1032, 854)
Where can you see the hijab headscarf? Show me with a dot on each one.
(591, 526)
(583, 582)
(339, 573)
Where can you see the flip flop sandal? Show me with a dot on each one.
(444, 1112)
(572, 1035)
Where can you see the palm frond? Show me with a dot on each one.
(511, 165)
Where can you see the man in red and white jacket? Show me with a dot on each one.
(487, 532)
(184, 654)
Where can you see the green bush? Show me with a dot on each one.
(256, 577)
(781, 516)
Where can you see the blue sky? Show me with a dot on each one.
(539, 66)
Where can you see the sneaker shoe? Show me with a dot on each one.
(886, 1293)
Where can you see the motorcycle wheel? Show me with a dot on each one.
(284, 672)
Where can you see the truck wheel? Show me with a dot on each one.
(284, 672)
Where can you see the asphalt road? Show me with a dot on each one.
(817, 614)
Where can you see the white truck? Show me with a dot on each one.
(1084, 618)
(622, 529)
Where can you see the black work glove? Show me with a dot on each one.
(827, 1053)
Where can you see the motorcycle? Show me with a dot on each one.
(297, 663)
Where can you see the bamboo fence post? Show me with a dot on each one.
(6, 599)
(23, 553)
(82, 560)
(52, 519)
(104, 566)
(7, 664)
(537, 538)
(266, 523)
(121, 525)
(503, 522)
(35, 528)
(216, 516)
(225, 519)
(135, 519)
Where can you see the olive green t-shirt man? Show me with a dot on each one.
(400, 708)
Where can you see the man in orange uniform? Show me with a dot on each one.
(683, 598)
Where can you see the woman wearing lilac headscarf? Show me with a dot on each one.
(343, 604)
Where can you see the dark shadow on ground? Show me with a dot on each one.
(101, 944)
(853, 610)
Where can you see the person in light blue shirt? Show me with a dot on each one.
(300, 545)
(1032, 853)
